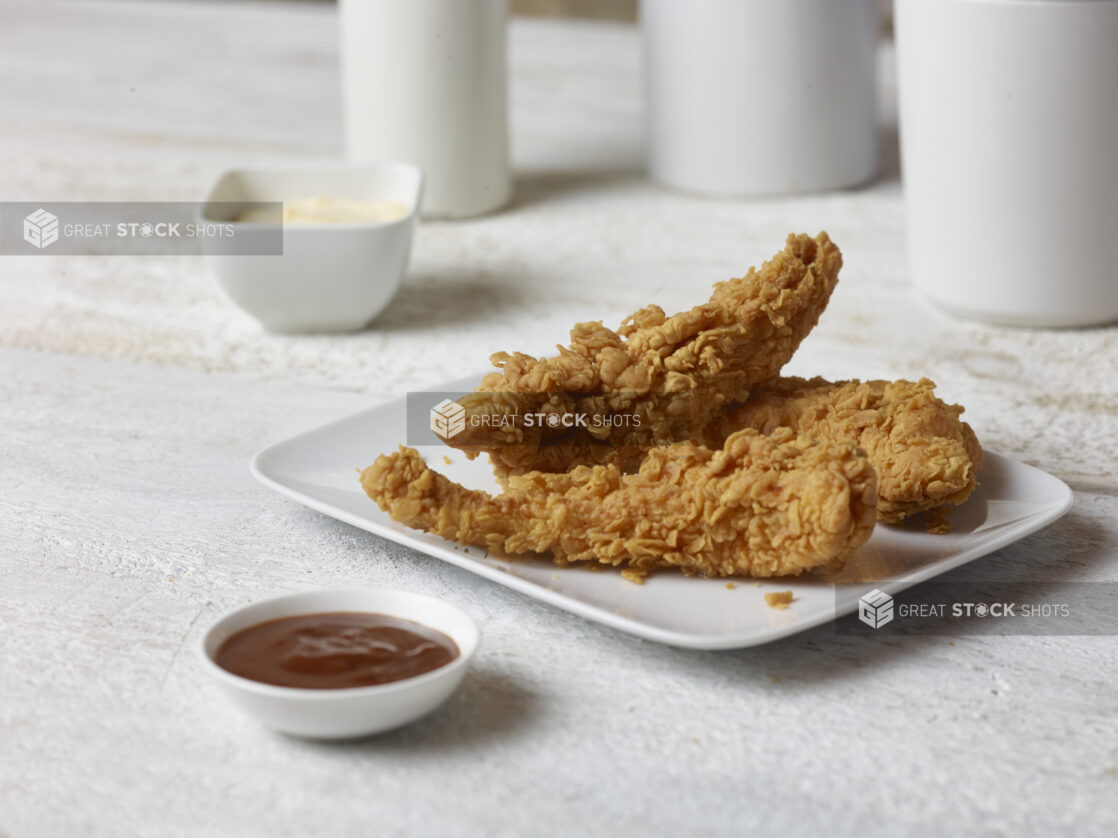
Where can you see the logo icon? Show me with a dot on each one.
(875, 609)
(40, 228)
(448, 418)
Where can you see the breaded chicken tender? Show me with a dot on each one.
(759, 505)
(924, 455)
(657, 379)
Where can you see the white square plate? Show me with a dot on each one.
(318, 469)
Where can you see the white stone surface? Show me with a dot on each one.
(132, 396)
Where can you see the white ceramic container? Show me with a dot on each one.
(426, 81)
(753, 97)
(1009, 129)
(355, 711)
(331, 277)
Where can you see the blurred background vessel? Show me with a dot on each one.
(426, 81)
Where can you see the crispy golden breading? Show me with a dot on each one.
(673, 374)
(780, 600)
(760, 505)
(924, 455)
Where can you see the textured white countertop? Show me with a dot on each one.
(132, 396)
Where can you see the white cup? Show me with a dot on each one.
(1009, 130)
(426, 81)
(753, 97)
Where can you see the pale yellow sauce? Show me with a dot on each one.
(325, 211)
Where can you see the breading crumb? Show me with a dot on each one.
(778, 599)
(756, 584)
(730, 586)
(631, 574)
(446, 459)
(938, 521)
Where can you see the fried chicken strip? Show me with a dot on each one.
(760, 506)
(924, 455)
(668, 375)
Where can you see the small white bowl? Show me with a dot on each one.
(331, 277)
(351, 711)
